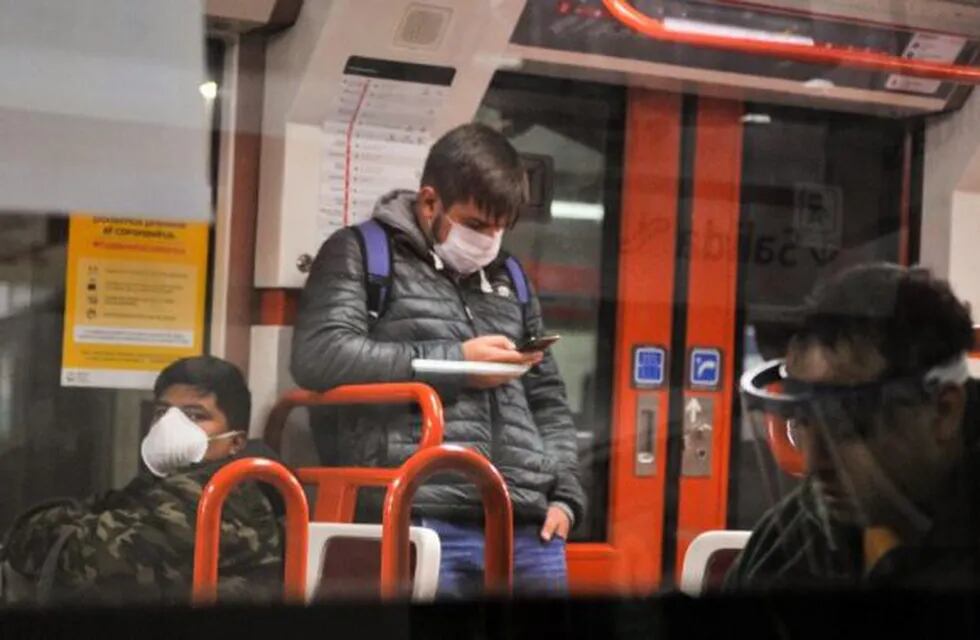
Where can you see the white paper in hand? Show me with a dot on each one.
(466, 368)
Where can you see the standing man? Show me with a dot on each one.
(450, 296)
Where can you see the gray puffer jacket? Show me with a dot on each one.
(524, 427)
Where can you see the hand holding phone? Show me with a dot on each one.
(497, 349)
(539, 343)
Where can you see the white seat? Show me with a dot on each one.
(699, 554)
(427, 554)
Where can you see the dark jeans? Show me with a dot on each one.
(539, 567)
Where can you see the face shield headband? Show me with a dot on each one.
(844, 410)
(783, 412)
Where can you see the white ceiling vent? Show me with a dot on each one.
(423, 26)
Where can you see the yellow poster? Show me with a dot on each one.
(134, 299)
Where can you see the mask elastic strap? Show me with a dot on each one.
(955, 371)
(222, 436)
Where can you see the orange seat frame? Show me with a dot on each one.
(337, 486)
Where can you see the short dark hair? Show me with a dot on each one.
(211, 375)
(912, 318)
(475, 163)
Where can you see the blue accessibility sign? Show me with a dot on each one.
(649, 366)
(705, 367)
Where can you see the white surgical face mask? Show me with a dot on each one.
(175, 442)
(467, 251)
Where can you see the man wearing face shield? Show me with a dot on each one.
(137, 544)
(452, 298)
(875, 393)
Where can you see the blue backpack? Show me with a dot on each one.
(376, 252)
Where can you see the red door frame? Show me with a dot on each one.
(712, 304)
(630, 561)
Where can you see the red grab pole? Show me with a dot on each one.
(208, 535)
(383, 393)
(497, 510)
(820, 53)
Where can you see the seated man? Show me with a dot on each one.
(877, 392)
(137, 544)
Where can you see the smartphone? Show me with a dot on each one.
(537, 344)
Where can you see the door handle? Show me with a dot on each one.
(646, 429)
(645, 453)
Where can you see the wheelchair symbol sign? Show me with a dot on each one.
(705, 367)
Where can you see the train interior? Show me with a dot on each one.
(695, 168)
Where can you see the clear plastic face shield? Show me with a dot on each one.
(866, 453)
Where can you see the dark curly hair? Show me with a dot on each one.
(912, 318)
(208, 374)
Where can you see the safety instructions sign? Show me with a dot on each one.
(134, 299)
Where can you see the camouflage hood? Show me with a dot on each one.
(136, 545)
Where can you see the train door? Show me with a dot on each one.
(684, 231)
(779, 198)
(673, 393)
(604, 266)
(769, 200)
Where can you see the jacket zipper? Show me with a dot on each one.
(462, 301)
(494, 406)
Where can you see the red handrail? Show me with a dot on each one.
(819, 53)
(383, 393)
(207, 537)
(336, 488)
(497, 511)
(787, 455)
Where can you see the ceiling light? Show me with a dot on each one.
(819, 83)
(209, 90)
(756, 118)
(683, 25)
(568, 210)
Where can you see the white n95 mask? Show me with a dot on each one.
(175, 442)
(467, 251)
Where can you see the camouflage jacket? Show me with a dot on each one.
(137, 544)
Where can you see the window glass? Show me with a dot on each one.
(569, 255)
(820, 192)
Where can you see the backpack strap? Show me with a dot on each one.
(49, 568)
(376, 253)
(519, 280)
